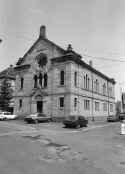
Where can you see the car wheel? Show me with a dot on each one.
(81, 125)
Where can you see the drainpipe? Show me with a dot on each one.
(108, 97)
(91, 64)
(92, 98)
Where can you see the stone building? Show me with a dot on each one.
(59, 83)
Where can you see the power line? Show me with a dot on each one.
(104, 58)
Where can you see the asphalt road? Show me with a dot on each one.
(51, 149)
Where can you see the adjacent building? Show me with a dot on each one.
(59, 83)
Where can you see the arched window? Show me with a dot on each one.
(45, 79)
(75, 78)
(20, 103)
(35, 81)
(104, 89)
(86, 81)
(62, 77)
(40, 79)
(96, 86)
(21, 82)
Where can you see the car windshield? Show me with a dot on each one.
(6, 113)
(71, 118)
(41, 115)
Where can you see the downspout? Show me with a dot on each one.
(92, 97)
(78, 89)
(108, 97)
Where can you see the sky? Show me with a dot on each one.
(93, 27)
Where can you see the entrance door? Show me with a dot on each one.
(39, 106)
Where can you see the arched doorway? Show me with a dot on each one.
(39, 106)
(39, 103)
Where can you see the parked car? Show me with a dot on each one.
(2, 117)
(38, 117)
(10, 116)
(7, 116)
(122, 116)
(112, 118)
(75, 121)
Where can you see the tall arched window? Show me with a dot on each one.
(104, 89)
(45, 79)
(75, 78)
(96, 87)
(21, 82)
(40, 79)
(35, 81)
(86, 81)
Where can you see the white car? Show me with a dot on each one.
(7, 116)
(2, 117)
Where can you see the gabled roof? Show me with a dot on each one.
(22, 67)
(8, 72)
(21, 60)
(74, 58)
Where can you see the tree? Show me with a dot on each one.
(5, 94)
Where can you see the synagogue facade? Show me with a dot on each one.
(59, 83)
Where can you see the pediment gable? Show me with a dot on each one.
(42, 45)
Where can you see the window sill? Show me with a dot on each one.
(61, 86)
(21, 90)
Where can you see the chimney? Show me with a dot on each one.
(69, 48)
(43, 31)
(91, 63)
(11, 66)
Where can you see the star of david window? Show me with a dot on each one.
(41, 60)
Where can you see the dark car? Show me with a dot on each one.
(75, 121)
(35, 118)
(112, 118)
(122, 116)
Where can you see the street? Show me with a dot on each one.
(48, 148)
